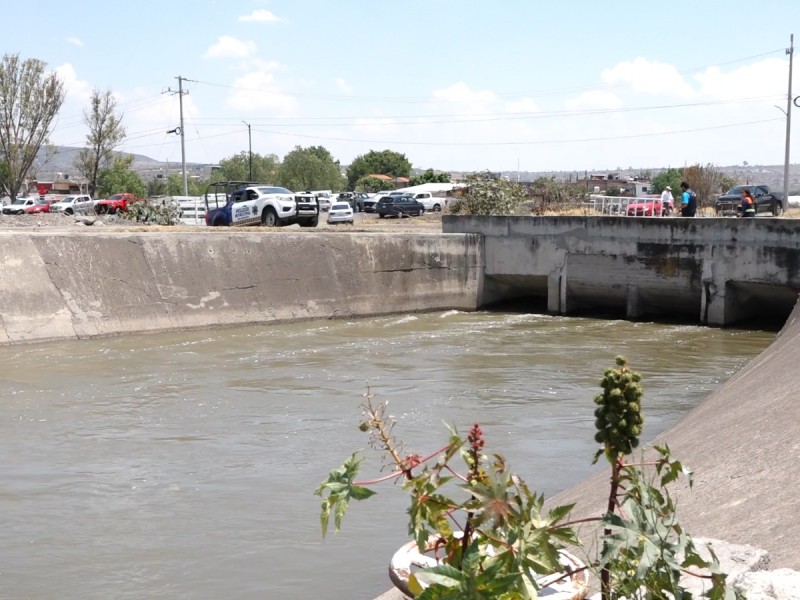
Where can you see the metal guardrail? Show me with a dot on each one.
(614, 205)
(193, 209)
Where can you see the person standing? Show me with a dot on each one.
(748, 206)
(667, 201)
(688, 200)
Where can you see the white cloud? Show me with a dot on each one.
(230, 47)
(649, 77)
(376, 125)
(75, 41)
(595, 99)
(523, 105)
(343, 86)
(763, 78)
(77, 90)
(260, 16)
(258, 90)
(461, 93)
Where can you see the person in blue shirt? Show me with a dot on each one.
(688, 200)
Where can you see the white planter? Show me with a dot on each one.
(572, 583)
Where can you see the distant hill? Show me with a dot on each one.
(58, 162)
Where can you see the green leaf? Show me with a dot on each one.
(337, 491)
(445, 575)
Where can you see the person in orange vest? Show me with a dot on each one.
(748, 206)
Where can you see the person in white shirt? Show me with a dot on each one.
(667, 201)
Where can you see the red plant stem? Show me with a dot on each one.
(393, 475)
(456, 474)
(403, 472)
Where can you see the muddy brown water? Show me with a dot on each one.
(182, 465)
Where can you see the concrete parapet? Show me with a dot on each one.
(99, 284)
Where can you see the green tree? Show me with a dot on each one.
(105, 133)
(707, 181)
(30, 99)
(310, 169)
(490, 195)
(237, 168)
(430, 176)
(550, 194)
(671, 177)
(374, 162)
(119, 177)
(369, 183)
(174, 185)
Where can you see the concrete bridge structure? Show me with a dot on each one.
(713, 271)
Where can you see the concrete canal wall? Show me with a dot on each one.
(743, 444)
(714, 271)
(89, 284)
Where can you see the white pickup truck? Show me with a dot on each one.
(429, 201)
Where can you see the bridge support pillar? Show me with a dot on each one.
(633, 308)
(713, 303)
(557, 291)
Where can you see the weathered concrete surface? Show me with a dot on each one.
(743, 444)
(714, 271)
(68, 285)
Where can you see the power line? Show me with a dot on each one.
(519, 143)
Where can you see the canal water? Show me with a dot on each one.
(183, 465)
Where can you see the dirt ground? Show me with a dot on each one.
(364, 222)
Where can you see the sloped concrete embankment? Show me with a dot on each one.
(743, 444)
(57, 286)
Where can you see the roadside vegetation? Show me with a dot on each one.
(487, 535)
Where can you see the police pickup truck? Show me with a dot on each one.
(243, 203)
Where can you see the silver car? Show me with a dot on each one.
(71, 205)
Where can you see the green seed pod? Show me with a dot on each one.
(618, 416)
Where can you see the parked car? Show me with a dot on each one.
(41, 205)
(340, 212)
(370, 201)
(429, 201)
(766, 200)
(19, 207)
(116, 203)
(254, 204)
(324, 202)
(70, 205)
(403, 205)
(307, 206)
(649, 208)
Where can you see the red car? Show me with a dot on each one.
(115, 203)
(28, 206)
(40, 206)
(650, 208)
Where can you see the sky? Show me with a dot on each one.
(454, 85)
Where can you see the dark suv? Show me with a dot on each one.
(399, 206)
(729, 204)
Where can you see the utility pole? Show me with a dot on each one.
(249, 151)
(790, 52)
(179, 130)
